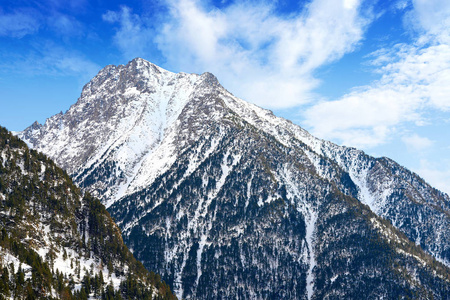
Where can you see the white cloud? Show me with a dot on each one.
(438, 175)
(362, 119)
(432, 15)
(401, 4)
(350, 4)
(417, 143)
(260, 56)
(414, 78)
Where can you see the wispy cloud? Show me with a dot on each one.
(18, 24)
(414, 78)
(417, 143)
(25, 21)
(133, 36)
(261, 56)
(65, 25)
(49, 59)
(47, 49)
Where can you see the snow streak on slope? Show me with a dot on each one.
(310, 213)
(312, 261)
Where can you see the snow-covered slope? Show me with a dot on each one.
(211, 190)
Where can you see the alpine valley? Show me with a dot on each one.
(226, 200)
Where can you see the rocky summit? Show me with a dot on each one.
(226, 200)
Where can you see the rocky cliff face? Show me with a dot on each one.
(225, 199)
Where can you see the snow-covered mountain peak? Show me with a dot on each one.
(183, 164)
(126, 115)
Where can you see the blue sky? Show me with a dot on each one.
(369, 74)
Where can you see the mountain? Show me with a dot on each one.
(57, 243)
(226, 200)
